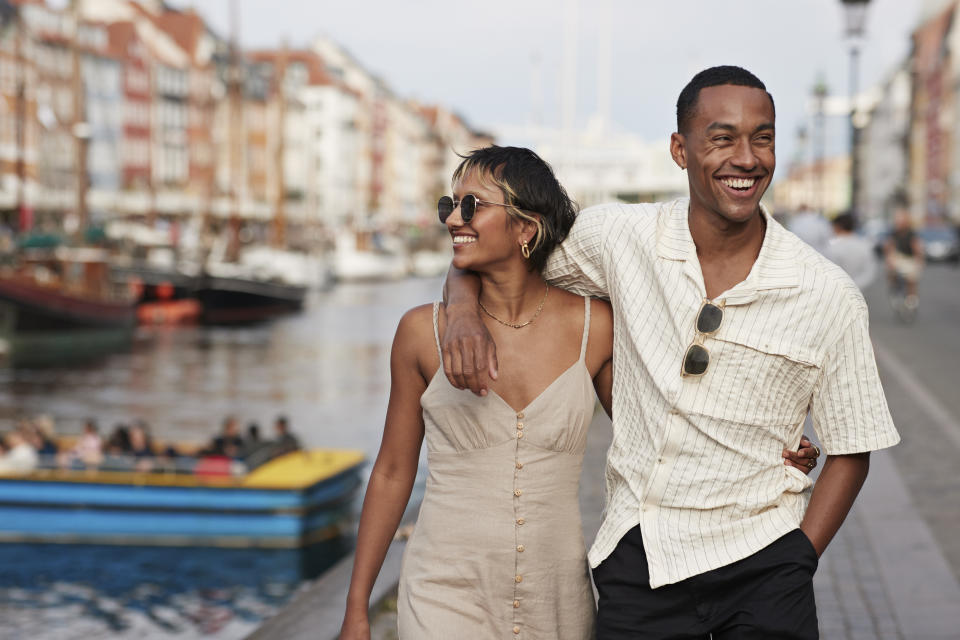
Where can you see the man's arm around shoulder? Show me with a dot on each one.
(469, 352)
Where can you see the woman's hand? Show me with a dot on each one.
(805, 459)
(469, 353)
(355, 627)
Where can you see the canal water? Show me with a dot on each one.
(326, 369)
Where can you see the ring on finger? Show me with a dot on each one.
(817, 449)
(812, 463)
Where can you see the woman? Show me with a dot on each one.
(498, 549)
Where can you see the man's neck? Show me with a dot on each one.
(718, 238)
(726, 249)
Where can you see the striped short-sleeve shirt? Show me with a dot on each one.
(696, 461)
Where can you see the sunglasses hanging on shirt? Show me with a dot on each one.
(709, 319)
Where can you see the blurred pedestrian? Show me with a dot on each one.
(852, 252)
(811, 227)
(903, 252)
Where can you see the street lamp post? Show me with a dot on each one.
(819, 143)
(855, 14)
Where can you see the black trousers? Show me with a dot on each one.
(766, 596)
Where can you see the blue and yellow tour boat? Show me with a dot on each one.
(293, 501)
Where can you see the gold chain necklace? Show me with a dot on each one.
(522, 324)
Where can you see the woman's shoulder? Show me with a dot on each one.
(419, 314)
(416, 326)
(573, 303)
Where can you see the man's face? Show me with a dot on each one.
(728, 151)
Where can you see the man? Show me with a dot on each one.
(728, 328)
(903, 251)
(851, 252)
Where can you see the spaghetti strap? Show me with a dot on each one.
(436, 329)
(586, 327)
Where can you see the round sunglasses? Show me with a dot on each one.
(468, 207)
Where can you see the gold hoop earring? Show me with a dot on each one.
(525, 250)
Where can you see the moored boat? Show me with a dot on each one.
(296, 500)
(63, 299)
(238, 300)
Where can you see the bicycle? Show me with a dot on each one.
(904, 305)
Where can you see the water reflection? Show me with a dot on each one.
(327, 369)
(71, 591)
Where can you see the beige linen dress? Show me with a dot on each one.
(498, 549)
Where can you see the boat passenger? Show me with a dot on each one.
(116, 453)
(118, 444)
(20, 456)
(228, 443)
(140, 449)
(253, 446)
(45, 434)
(285, 441)
(88, 452)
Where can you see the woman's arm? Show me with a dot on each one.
(392, 477)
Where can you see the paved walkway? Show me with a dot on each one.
(883, 577)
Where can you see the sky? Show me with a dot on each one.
(486, 60)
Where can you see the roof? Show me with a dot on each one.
(316, 69)
(185, 27)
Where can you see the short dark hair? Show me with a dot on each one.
(713, 77)
(529, 186)
(846, 221)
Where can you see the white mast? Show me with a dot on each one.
(568, 100)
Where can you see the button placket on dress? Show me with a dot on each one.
(519, 521)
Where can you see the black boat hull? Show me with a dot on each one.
(241, 301)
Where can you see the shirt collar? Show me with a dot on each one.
(776, 265)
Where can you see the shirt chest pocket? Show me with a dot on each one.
(753, 379)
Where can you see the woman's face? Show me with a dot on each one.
(491, 236)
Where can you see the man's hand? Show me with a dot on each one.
(469, 353)
(805, 459)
